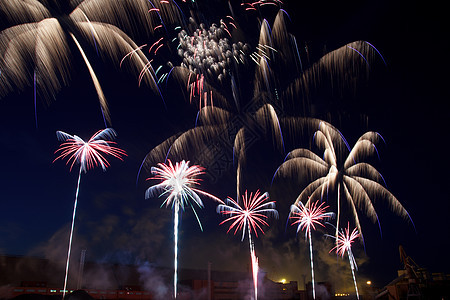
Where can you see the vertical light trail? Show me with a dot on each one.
(89, 154)
(71, 231)
(175, 234)
(35, 105)
(254, 259)
(178, 186)
(338, 211)
(350, 258)
(312, 265)
(251, 214)
(343, 244)
(307, 218)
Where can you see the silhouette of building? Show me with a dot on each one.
(33, 275)
(415, 283)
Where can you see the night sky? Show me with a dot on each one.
(404, 100)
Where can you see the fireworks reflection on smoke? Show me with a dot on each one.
(89, 155)
(45, 32)
(249, 216)
(307, 218)
(344, 244)
(178, 186)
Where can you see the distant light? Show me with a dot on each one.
(369, 282)
(283, 281)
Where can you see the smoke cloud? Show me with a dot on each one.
(153, 281)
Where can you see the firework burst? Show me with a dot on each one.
(344, 243)
(344, 170)
(250, 217)
(178, 186)
(89, 155)
(307, 218)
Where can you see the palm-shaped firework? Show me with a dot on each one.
(249, 216)
(341, 169)
(89, 155)
(215, 73)
(307, 218)
(39, 41)
(178, 186)
(344, 244)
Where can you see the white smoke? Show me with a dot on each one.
(153, 281)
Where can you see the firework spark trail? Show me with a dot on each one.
(89, 155)
(307, 218)
(251, 215)
(178, 186)
(38, 42)
(175, 262)
(101, 96)
(255, 266)
(69, 249)
(34, 93)
(344, 244)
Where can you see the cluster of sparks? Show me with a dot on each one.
(88, 155)
(208, 50)
(249, 216)
(208, 53)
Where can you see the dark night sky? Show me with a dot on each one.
(406, 101)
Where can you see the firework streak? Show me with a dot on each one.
(178, 186)
(251, 215)
(307, 218)
(344, 244)
(89, 155)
